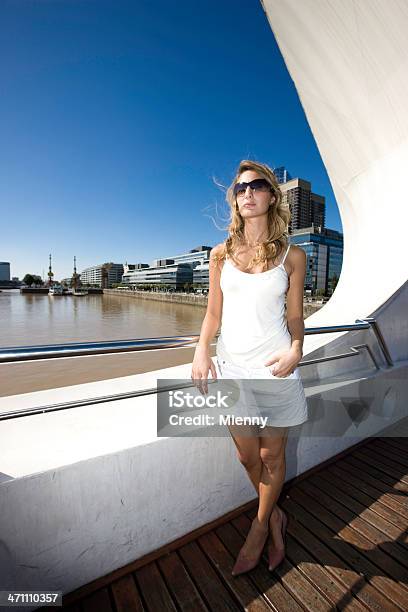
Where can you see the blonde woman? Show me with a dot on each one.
(250, 275)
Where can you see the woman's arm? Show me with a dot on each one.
(294, 300)
(202, 361)
(212, 319)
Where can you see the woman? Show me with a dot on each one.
(250, 273)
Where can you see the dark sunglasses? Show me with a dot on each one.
(255, 185)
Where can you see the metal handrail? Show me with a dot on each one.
(11, 354)
(14, 354)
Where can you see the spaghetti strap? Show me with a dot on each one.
(287, 251)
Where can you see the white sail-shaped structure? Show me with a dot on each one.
(349, 63)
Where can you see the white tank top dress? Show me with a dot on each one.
(253, 326)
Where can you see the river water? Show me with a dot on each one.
(42, 319)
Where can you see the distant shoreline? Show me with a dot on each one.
(176, 298)
(189, 298)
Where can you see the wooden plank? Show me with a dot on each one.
(400, 447)
(317, 594)
(241, 586)
(353, 587)
(206, 579)
(391, 522)
(385, 504)
(383, 465)
(398, 498)
(382, 544)
(97, 602)
(399, 443)
(266, 582)
(153, 589)
(353, 547)
(349, 555)
(180, 584)
(126, 595)
(368, 468)
(393, 454)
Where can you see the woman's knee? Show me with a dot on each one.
(249, 459)
(273, 459)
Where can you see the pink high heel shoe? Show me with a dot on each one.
(245, 564)
(276, 555)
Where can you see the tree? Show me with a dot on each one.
(32, 279)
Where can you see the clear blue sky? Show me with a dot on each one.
(115, 116)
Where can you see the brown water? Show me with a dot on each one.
(41, 319)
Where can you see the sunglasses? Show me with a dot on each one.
(255, 185)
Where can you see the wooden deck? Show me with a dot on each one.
(346, 549)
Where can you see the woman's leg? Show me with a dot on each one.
(272, 454)
(264, 460)
(246, 441)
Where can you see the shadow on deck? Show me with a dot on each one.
(346, 548)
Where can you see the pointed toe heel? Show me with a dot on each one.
(243, 564)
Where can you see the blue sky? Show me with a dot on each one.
(115, 116)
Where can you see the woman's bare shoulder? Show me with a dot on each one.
(296, 257)
(217, 249)
(216, 259)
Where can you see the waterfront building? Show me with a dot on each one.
(4, 271)
(102, 275)
(324, 251)
(201, 274)
(173, 272)
(307, 208)
(195, 256)
(169, 275)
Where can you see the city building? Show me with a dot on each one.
(201, 275)
(103, 275)
(176, 272)
(5, 271)
(307, 208)
(169, 275)
(194, 257)
(317, 210)
(324, 251)
(282, 174)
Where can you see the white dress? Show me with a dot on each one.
(253, 326)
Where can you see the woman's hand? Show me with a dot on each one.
(285, 362)
(202, 363)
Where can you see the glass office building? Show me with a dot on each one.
(173, 272)
(324, 251)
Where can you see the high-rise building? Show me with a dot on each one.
(282, 174)
(324, 251)
(4, 271)
(317, 210)
(306, 208)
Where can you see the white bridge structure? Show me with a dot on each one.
(86, 485)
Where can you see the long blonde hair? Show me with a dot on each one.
(277, 222)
